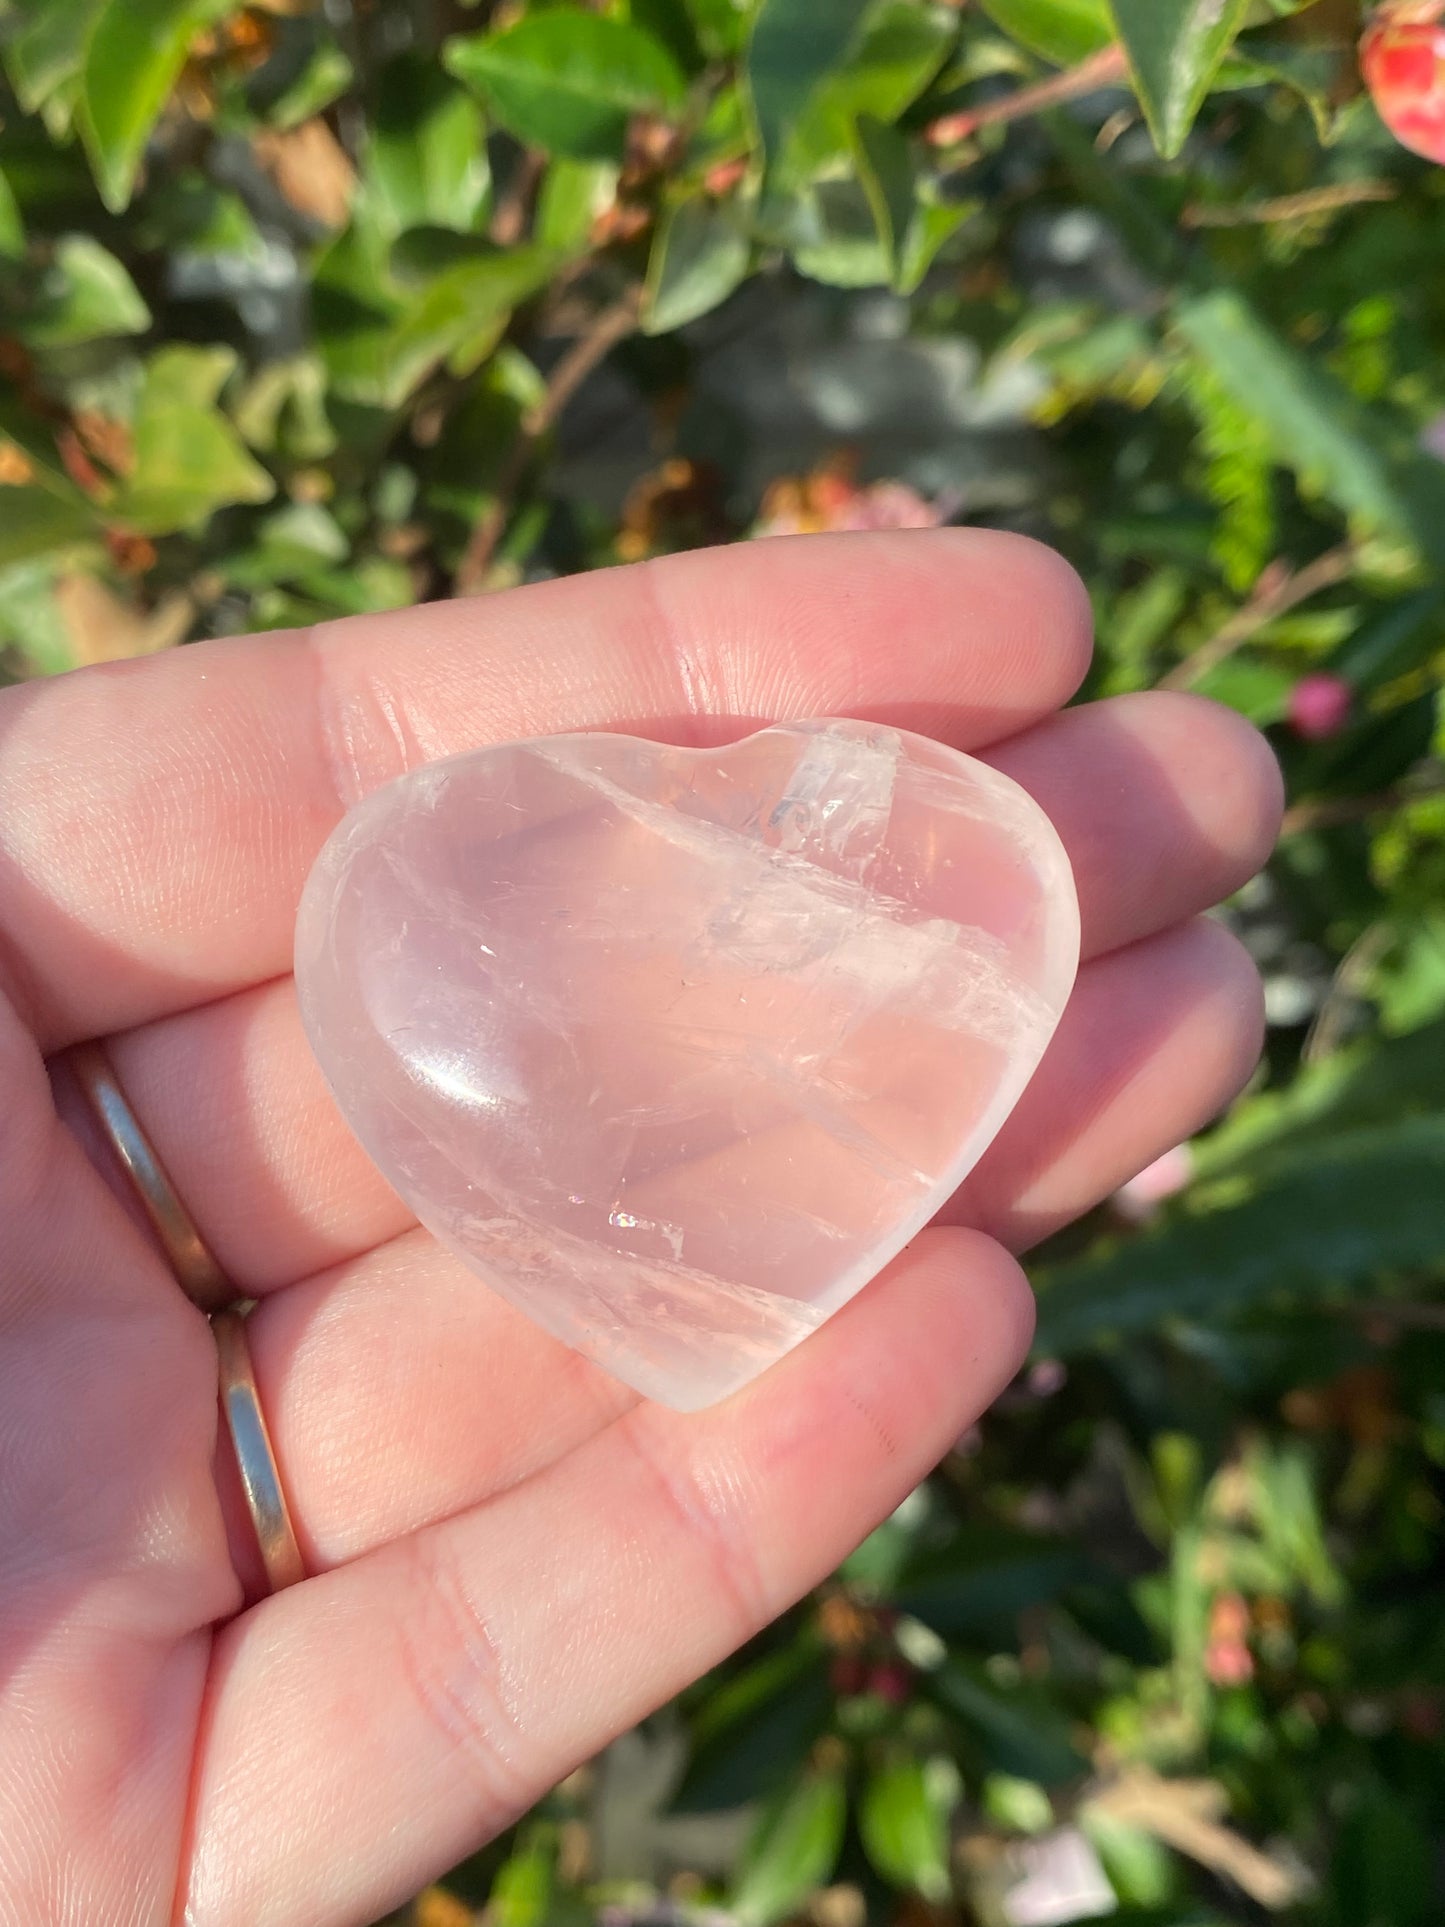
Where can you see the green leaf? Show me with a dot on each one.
(672, 25)
(795, 44)
(721, 26)
(573, 194)
(461, 474)
(794, 1850)
(522, 1891)
(135, 51)
(1369, 1083)
(427, 159)
(885, 170)
(355, 305)
(904, 1828)
(84, 294)
(282, 409)
(569, 80)
(1404, 635)
(1334, 1216)
(832, 236)
(901, 49)
(1315, 427)
(933, 224)
(35, 521)
(1064, 31)
(1314, 72)
(1384, 1864)
(299, 538)
(1022, 1734)
(1174, 48)
(754, 1732)
(12, 228)
(48, 49)
(460, 315)
(699, 255)
(324, 78)
(189, 460)
(30, 621)
(982, 1579)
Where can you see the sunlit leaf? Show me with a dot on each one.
(427, 159)
(12, 227)
(1174, 49)
(699, 255)
(904, 1827)
(189, 460)
(47, 49)
(1065, 31)
(134, 53)
(885, 169)
(84, 294)
(569, 80)
(1315, 427)
(795, 44)
(324, 78)
(794, 1850)
(36, 521)
(893, 60)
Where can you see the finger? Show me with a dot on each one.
(1157, 1039)
(112, 1557)
(379, 1438)
(370, 1727)
(165, 870)
(1165, 803)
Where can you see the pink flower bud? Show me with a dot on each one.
(1402, 57)
(1319, 707)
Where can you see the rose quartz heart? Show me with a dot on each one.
(676, 1048)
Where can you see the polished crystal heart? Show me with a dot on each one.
(675, 1048)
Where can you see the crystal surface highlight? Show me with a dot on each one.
(677, 1048)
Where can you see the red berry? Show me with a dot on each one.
(1319, 707)
(892, 1681)
(1402, 56)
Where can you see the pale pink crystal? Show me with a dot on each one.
(676, 1048)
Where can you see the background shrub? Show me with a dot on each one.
(311, 310)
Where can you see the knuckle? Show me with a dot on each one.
(706, 1498)
(460, 1681)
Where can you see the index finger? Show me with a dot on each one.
(158, 817)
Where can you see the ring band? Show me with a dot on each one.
(255, 1457)
(208, 1287)
(200, 1277)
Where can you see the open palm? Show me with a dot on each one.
(513, 1559)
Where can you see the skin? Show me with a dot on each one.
(513, 1559)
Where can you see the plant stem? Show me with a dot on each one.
(1328, 812)
(611, 325)
(1099, 70)
(1274, 595)
(1289, 207)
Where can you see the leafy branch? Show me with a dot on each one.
(1103, 69)
(610, 326)
(1278, 590)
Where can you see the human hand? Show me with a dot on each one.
(512, 1558)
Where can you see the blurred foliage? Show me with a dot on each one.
(296, 309)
